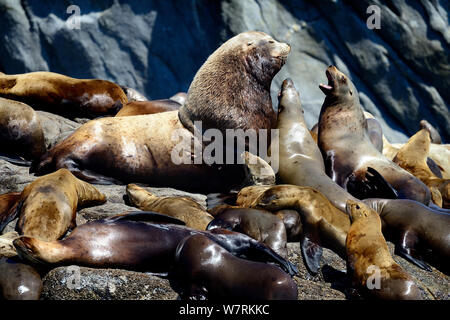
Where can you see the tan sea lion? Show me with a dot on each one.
(412, 157)
(63, 95)
(205, 270)
(21, 134)
(322, 223)
(260, 225)
(135, 108)
(367, 251)
(347, 149)
(182, 208)
(19, 281)
(434, 134)
(143, 241)
(139, 149)
(47, 207)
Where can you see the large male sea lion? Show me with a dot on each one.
(205, 270)
(347, 149)
(63, 95)
(260, 225)
(47, 207)
(230, 91)
(21, 134)
(136, 241)
(412, 157)
(183, 208)
(367, 253)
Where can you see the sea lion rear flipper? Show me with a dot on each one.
(148, 216)
(374, 186)
(405, 249)
(311, 253)
(434, 167)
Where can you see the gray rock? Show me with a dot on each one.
(80, 283)
(13, 178)
(401, 70)
(55, 127)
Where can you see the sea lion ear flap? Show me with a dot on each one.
(148, 216)
(311, 253)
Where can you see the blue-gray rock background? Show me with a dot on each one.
(401, 70)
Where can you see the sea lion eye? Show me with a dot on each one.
(342, 78)
(357, 207)
(271, 41)
(351, 92)
(249, 43)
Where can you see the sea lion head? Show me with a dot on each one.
(289, 99)
(231, 90)
(357, 210)
(339, 86)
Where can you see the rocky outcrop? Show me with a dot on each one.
(402, 70)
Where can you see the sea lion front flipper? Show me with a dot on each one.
(148, 216)
(434, 167)
(311, 253)
(405, 249)
(374, 186)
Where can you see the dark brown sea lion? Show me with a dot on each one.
(182, 208)
(260, 225)
(418, 233)
(21, 134)
(434, 134)
(135, 108)
(347, 149)
(412, 157)
(139, 149)
(142, 240)
(19, 281)
(205, 270)
(367, 252)
(63, 95)
(47, 207)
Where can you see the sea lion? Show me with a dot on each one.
(412, 157)
(21, 134)
(434, 134)
(63, 95)
(205, 270)
(322, 223)
(418, 233)
(292, 223)
(133, 95)
(260, 225)
(342, 128)
(7, 201)
(183, 208)
(139, 149)
(142, 241)
(135, 108)
(47, 207)
(366, 249)
(19, 281)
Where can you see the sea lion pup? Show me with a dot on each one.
(63, 95)
(260, 225)
(21, 134)
(367, 251)
(205, 270)
(342, 128)
(19, 281)
(146, 148)
(143, 241)
(412, 157)
(133, 95)
(434, 134)
(135, 108)
(322, 223)
(47, 207)
(183, 208)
